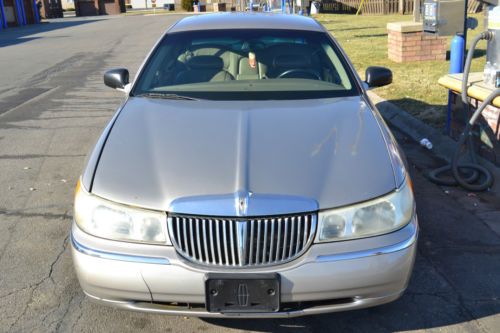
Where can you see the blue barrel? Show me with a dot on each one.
(457, 55)
(456, 66)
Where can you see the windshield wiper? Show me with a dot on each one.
(166, 96)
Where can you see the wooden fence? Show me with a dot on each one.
(379, 7)
(370, 7)
(475, 6)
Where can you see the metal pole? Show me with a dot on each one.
(24, 12)
(465, 31)
(360, 6)
(35, 10)
(19, 13)
(3, 21)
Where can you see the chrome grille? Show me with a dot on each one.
(243, 242)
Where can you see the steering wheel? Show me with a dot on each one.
(309, 72)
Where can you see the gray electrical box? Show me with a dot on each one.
(493, 25)
(444, 17)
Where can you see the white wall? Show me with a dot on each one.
(142, 3)
(68, 4)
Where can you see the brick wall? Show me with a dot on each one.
(416, 46)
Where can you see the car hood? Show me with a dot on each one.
(245, 157)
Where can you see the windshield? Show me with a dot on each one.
(246, 65)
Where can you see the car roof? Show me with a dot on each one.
(246, 21)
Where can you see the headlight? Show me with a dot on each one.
(375, 217)
(106, 219)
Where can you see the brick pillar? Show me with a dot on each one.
(407, 42)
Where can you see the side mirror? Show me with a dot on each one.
(116, 78)
(378, 76)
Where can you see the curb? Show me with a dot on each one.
(443, 146)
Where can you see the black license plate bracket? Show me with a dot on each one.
(242, 293)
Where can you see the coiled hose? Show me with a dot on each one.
(468, 182)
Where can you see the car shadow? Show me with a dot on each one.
(19, 35)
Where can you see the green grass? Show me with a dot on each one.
(158, 11)
(415, 87)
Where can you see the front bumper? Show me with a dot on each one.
(329, 277)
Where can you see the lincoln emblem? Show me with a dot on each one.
(243, 295)
(242, 202)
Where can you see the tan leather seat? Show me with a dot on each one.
(229, 58)
(203, 68)
(246, 72)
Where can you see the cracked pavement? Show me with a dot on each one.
(53, 106)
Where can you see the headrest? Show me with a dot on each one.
(292, 61)
(212, 50)
(205, 62)
(245, 68)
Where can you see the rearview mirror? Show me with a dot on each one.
(378, 76)
(116, 78)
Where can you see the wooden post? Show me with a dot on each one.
(401, 6)
(416, 11)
